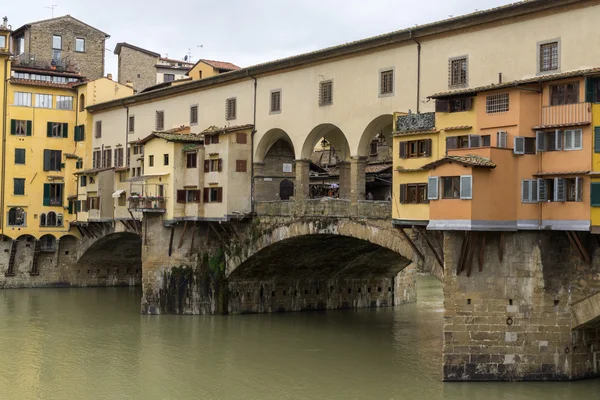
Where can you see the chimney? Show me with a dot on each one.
(499, 77)
(109, 76)
(129, 83)
(5, 22)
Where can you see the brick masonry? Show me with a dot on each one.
(137, 67)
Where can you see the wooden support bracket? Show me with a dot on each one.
(463, 251)
(411, 243)
(435, 253)
(182, 234)
(171, 240)
(481, 252)
(501, 248)
(578, 246)
(193, 237)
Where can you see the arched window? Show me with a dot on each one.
(51, 219)
(286, 189)
(42, 219)
(81, 102)
(16, 216)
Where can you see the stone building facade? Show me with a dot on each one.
(61, 43)
(137, 66)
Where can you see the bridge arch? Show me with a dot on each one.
(116, 248)
(274, 167)
(380, 128)
(333, 134)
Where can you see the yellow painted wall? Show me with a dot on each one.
(595, 211)
(157, 147)
(202, 68)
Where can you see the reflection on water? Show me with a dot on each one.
(93, 344)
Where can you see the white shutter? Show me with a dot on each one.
(474, 141)
(432, 188)
(540, 141)
(579, 189)
(568, 140)
(558, 140)
(525, 191)
(466, 187)
(559, 189)
(542, 192)
(501, 139)
(519, 145)
(577, 139)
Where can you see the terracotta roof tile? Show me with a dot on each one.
(221, 65)
(227, 129)
(173, 137)
(376, 168)
(31, 82)
(535, 128)
(469, 161)
(416, 132)
(562, 173)
(457, 128)
(46, 71)
(73, 156)
(402, 169)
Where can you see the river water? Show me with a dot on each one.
(94, 344)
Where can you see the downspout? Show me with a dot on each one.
(75, 152)
(540, 162)
(252, 148)
(418, 72)
(4, 121)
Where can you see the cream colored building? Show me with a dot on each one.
(304, 98)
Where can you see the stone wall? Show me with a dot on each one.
(512, 320)
(137, 67)
(269, 174)
(332, 208)
(90, 63)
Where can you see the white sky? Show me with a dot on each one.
(244, 32)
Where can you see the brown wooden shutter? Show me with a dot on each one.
(241, 138)
(206, 165)
(403, 194)
(220, 164)
(206, 193)
(197, 196)
(219, 195)
(451, 142)
(402, 149)
(441, 105)
(181, 196)
(468, 103)
(206, 139)
(215, 139)
(428, 145)
(243, 165)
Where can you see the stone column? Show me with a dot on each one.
(260, 188)
(302, 180)
(344, 191)
(358, 178)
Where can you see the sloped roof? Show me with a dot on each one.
(224, 65)
(68, 16)
(504, 85)
(125, 44)
(173, 137)
(226, 129)
(467, 161)
(31, 82)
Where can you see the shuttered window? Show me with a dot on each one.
(275, 101)
(57, 130)
(529, 191)
(20, 127)
(325, 93)
(241, 138)
(559, 189)
(573, 139)
(595, 194)
(597, 139)
(386, 82)
(53, 194)
(19, 186)
(413, 193)
(131, 124)
(19, 156)
(159, 120)
(415, 148)
(466, 187)
(241, 165)
(191, 160)
(52, 160)
(524, 145)
(79, 135)
(501, 139)
(98, 132)
(213, 195)
(119, 157)
(193, 115)
(433, 188)
(231, 109)
(107, 158)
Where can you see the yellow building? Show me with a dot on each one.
(593, 96)
(207, 68)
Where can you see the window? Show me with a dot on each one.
(557, 140)
(22, 99)
(529, 191)
(188, 196)
(213, 165)
(81, 102)
(43, 100)
(451, 187)
(524, 145)
(386, 82)
(79, 133)
(165, 159)
(466, 142)
(131, 124)
(96, 159)
(53, 193)
(230, 109)
(119, 157)
(98, 133)
(16, 216)
(19, 156)
(573, 139)
(595, 194)
(374, 147)
(56, 48)
(20, 42)
(107, 158)
(592, 89)
(548, 56)
(413, 193)
(79, 164)
(501, 139)
(19, 186)
(51, 219)
(191, 160)
(19, 127)
(57, 130)
(169, 77)
(458, 74)
(151, 161)
(574, 189)
(461, 104)
(496, 103)
(82, 206)
(275, 101)
(241, 165)
(122, 201)
(325, 93)
(52, 160)
(567, 93)
(193, 115)
(79, 45)
(213, 195)
(94, 203)
(241, 138)
(211, 139)
(64, 102)
(160, 120)
(415, 148)
(83, 181)
(2, 42)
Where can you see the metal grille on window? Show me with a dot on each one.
(549, 57)
(98, 133)
(160, 120)
(458, 72)
(496, 103)
(275, 101)
(325, 93)
(387, 82)
(230, 110)
(193, 114)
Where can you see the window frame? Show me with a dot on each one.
(271, 109)
(171, 78)
(22, 182)
(460, 82)
(192, 120)
(131, 124)
(82, 41)
(39, 97)
(392, 89)
(556, 98)
(322, 100)
(151, 160)
(191, 160)
(540, 70)
(54, 36)
(23, 152)
(165, 160)
(23, 96)
(159, 120)
(231, 108)
(455, 187)
(23, 217)
(490, 104)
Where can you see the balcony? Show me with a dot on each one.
(148, 204)
(414, 122)
(36, 61)
(566, 115)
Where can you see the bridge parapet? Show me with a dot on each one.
(335, 208)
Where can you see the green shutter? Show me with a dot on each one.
(589, 90)
(65, 128)
(46, 160)
(13, 126)
(70, 207)
(46, 194)
(49, 129)
(597, 139)
(81, 133)
(77, 134)
(19, 156)
(28, 128)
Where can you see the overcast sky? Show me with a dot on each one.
(244, 32)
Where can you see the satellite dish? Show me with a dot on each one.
(185, 58)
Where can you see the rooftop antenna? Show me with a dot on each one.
(188, 57)
(52, 8)
(201, 46)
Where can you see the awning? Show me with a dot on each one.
(118, 194)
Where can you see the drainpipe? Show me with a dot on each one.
(4, 113)
(252, 148)
(418, 72)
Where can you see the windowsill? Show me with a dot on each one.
(386, 95)
(325, 104)
(274, 112)
(19, 195)
(553, 71)
(17, 226)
